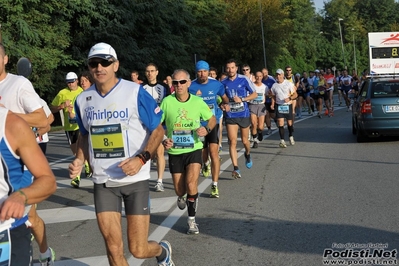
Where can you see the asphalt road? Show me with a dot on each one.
(292, 206)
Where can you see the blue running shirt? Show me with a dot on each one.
(209, 92)
(241, 86)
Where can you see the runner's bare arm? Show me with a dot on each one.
(36, 118)
(22, 141)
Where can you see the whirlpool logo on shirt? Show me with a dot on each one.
(105, 114)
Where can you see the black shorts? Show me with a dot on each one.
(21, 245)
(315, 96)
(288, 116)
(212, 137)
(325, 96)
(72, 136)
(178, 163)
(242, 122)
(136, 197)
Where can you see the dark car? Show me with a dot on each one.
(375, 110)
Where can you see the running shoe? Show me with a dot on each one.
(260, 136)
(269, 131)
(282, 144)
(76, 182)
(159, 187)
(88, 173)
(248, 161)
(292, 141)
(206, 170)
(192, 227)
(214, 192)
(168, 260)
(255, 145)
(181, 202)
(48, 261)
(236, 174)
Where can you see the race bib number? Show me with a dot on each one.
(183, 139)
(107, 141)
(284, 109)
(236, 107)
(212, 107)
(72, 120)
(5, 247)
(258, 99)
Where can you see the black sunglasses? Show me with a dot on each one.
(175, 82)
(245, 69)
(103, 63)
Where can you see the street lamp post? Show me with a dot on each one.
(342, 42)
(263, 35)
(354, 49)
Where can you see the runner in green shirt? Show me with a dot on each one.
(182, 113)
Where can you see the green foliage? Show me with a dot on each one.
(57, 35)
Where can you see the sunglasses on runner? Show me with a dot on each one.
(245, 69)
(175, 82)
(102, 62)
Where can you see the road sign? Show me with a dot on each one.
(384, 52)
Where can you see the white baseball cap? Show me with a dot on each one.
(280, 71)
(71, 77)
(102, 50)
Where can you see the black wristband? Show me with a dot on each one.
(146, 155)
(208, 129)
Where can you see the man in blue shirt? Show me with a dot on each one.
(239, 90)
(209, 89)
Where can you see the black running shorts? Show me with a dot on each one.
(212, 137)
(136, 198)
(178, 163)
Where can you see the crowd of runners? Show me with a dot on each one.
(118, 129)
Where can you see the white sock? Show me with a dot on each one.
(159, 180)
(215, 183)
(45, 255)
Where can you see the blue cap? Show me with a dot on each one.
(201, 65)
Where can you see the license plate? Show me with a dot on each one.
(392, 108)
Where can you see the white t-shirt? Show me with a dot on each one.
(260, 90)
(18, 95)
(282, 91)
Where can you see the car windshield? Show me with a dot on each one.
(383, 89)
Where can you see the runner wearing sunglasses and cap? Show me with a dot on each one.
(120, 126)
